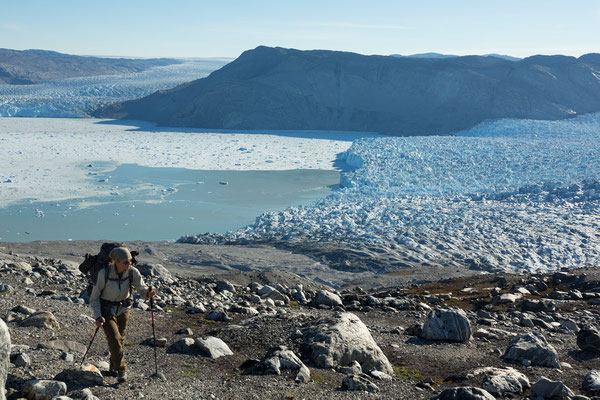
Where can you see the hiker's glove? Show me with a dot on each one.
(151, 293)
(99, 322)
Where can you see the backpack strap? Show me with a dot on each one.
(106, 269)
(131, 282)
(106, 279)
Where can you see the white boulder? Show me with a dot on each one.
(212, 347)
(532, 347)
(4, 357)
(339, 340)
(447, 324)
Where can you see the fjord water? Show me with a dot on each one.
(165, 203)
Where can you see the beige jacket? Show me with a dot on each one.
(116, 289)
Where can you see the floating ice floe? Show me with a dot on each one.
(38, 173)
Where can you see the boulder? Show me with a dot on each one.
(20, 266)
(382, 376)
(353, 369)
(42, 319)
(299, 294)
(87, 375)
(547, 389)
(491, 334)
(327, 298)
(6, 289)
(183, 346)
(85, 394)
(64, 345)
(23, 310)
(506, 298)
(263, 290)
(337, 341)
(197, 308)
(142, 305)
(533, 347)
(464, 393)
(502, 380)
(218, 315)
(532, 305)
(185, 331)
(414, 330)
(589, 340)
(282, 358)
(21, 360)
(447, 324)
(155, 270)
(245, 310)
(359, 382)
(591, 382)
(4, 357)
(212, 347)
(276, 295)
(225, 286)
(44, 389)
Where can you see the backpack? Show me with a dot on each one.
(92, 265)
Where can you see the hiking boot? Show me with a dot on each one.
(122, 377)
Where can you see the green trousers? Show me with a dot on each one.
(115, 330)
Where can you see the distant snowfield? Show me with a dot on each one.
(76, 97)
(508, 195)
(46, 159)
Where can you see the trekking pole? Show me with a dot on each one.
(156, 374)
(90, 345)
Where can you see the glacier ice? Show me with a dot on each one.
(506, 195)
(76, 97)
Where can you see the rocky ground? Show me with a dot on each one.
(239, 323)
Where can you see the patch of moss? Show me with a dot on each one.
(189, 370)
(406, 373)
(317, 378)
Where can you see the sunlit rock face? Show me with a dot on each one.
(276, 88)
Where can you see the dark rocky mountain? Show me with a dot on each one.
(277, 88)
(33, 66)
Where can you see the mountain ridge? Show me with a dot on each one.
(25, 67)
(287, 89)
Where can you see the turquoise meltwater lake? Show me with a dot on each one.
(154, 204)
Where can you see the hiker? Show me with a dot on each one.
(111, 300)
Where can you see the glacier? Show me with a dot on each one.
(507, 195)
(77, 97)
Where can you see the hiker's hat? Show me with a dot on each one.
(119, 254)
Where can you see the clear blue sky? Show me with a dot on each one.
(199, 28)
